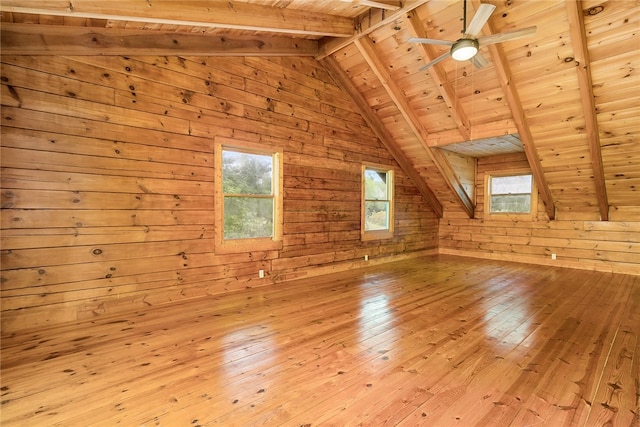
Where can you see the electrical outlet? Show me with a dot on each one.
(261, 274)
(553, 256)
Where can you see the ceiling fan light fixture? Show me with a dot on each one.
(464, 49)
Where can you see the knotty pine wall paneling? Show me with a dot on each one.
(108, 181)
(579, 240)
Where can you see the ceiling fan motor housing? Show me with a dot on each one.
(464, 49)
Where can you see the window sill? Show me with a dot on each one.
(376, 235)
(509, 216)
(247, 245)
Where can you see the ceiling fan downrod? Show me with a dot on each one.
(464, 16)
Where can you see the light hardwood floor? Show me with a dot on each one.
(437, 341)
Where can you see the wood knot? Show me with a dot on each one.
(594, 10)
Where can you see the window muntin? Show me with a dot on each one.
(377, 202)
(248, 199)
(510, 194)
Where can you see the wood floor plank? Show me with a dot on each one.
(443, 340)
(618, 390)
(535, 360)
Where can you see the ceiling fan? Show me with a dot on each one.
(466, 48)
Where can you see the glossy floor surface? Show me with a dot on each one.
(438, 341)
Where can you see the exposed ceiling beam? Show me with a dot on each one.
(211, 14)
(366, 23)
(343, 81)
(480, 131)
(29, 39)
(581, 56)
(501, 65)
(439, 76)
(388, 5)
(367, 49)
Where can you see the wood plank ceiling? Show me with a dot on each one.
(567, 96)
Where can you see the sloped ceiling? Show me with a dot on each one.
(568, 96)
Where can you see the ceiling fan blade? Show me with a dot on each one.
(479, 61)
(509, 35)
(430, 41)
(479, 19)
(435, 61)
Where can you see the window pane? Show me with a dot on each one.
(375, 185)
(511, 194)
(518, 203)
(244, 173)
(247, 217)
(376, 216)
(520, 184)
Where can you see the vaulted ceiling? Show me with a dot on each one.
(568, 96)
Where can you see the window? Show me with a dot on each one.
(248, 198)
(512, 194)
(377, 202)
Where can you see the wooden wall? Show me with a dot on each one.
(107, 181)
(577, 239)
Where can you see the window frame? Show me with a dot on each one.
(388, 233)
(274, 242)
(532, 214)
